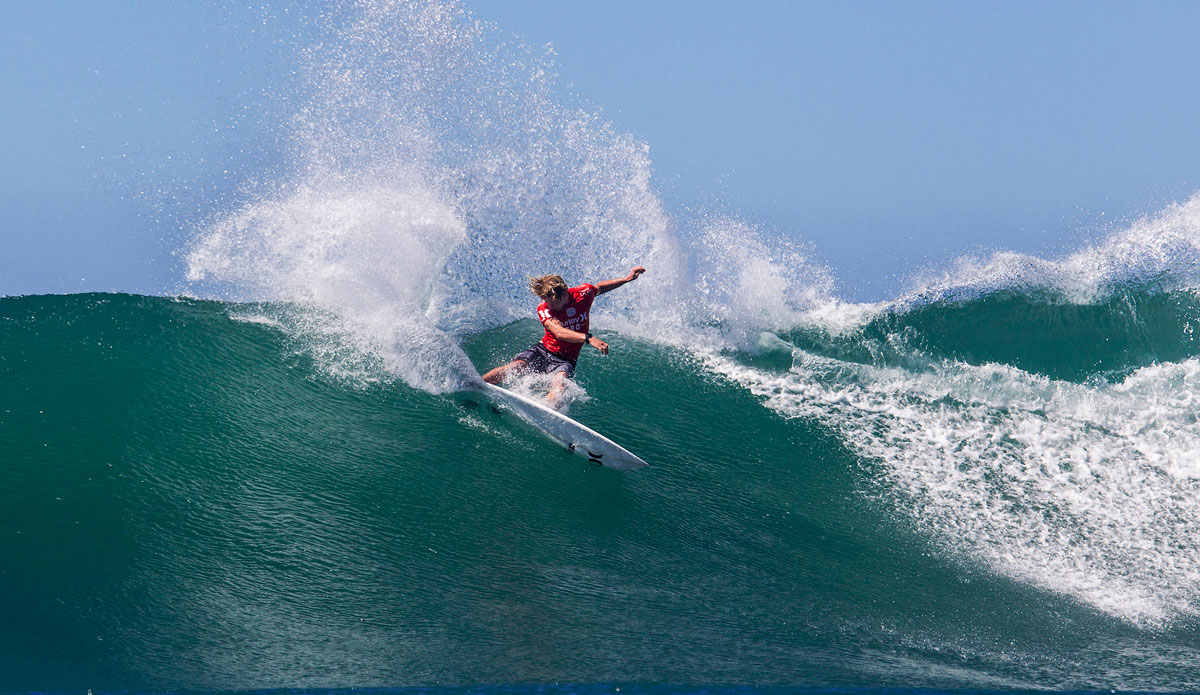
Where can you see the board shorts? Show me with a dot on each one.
(539, 359)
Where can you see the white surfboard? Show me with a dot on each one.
(578, 438)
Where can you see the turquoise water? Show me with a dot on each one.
(190, 501)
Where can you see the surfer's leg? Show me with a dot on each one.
(495, 376)
(526, 359)
(560, 370)
(557, 384)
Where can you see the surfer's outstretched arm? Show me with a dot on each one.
(608, 285)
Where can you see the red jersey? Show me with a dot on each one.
(573, 316)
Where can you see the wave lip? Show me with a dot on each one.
(1160, 253)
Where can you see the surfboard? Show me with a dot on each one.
(576, 437)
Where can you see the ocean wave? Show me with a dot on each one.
(1083, 489)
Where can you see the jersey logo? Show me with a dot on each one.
(570, 311)
(544, 314)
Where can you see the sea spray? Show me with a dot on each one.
(432, 171)
(746, 285)
(1160, 252)
(353, 264)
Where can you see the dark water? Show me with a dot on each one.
(188, 502)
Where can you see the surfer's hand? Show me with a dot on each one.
(633, 274)
(599, 345)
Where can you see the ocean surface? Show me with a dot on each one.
(280, 475)
(939, 497)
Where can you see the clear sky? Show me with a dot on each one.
(888, 135)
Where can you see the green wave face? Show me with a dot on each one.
(1037, 332)
(188, 500)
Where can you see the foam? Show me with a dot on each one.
(1085, 490)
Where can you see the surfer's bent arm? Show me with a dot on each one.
(561, 332)
(608, 285)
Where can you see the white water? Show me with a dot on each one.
(1088, 490)
(1084, 490)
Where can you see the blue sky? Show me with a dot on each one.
(888, 135)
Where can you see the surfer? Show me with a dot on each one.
(565, 313)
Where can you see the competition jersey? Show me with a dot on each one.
(573, 316)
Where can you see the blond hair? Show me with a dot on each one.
(546, 285)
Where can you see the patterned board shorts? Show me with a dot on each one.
(539, 359)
